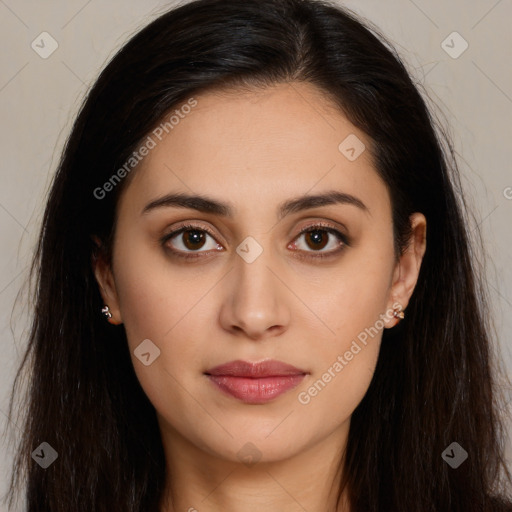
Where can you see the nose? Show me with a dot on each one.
(255, 301)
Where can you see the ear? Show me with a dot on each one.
(105, 279)
(407, 269)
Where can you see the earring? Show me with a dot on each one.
(398, 313)
(106, 312)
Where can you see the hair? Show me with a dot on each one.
(434, 380)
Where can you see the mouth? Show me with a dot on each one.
(255, 383)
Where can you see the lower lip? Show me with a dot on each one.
(256, 390)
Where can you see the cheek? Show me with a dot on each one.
(157, 305)
(353, 313)
(345, 359)
(162, 303)
(142, 301)
(351, 296)
(153, 298)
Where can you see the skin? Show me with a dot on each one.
(256, 149)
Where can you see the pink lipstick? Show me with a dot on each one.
(255, 383)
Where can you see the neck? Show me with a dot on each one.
(201, 482)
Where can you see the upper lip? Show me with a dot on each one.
(268, 368)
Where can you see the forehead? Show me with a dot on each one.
(268, 144)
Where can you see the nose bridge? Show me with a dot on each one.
(254, 280)
(255, 303)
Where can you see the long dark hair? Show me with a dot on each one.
(433, 384)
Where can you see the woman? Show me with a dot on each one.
(255, 286)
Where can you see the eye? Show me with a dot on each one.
(189, 239)
(317, 238)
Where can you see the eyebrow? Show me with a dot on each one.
(224, 209)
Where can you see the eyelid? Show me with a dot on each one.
(189, 226)
(322, 224)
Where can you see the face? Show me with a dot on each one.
(270, 276)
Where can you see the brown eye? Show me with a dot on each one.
(317, 239)
(190, 239)
(193, 239)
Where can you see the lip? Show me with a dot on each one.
(255, 383)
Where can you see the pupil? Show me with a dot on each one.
(317, 236)
(319, 241)
(192, 238)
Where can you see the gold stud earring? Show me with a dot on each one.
(398, 313)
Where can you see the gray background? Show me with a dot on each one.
(39, 98)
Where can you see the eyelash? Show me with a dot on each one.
(310, 254)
